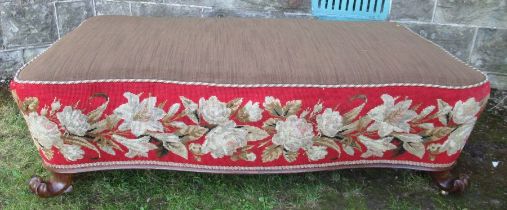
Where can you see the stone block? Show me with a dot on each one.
(455, 39)
(490, 50)
(71, 14)
(208, 3)
(25, 24)
(154, 1)
(1, 37)
(10, 62)
(498, 81)
(242, 13)
(487, 13)
(104, 7)
(30, 53)
(412, 10)
(162, 10)
(298, 15)
(249, 5)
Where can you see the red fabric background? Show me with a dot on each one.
(69, 94)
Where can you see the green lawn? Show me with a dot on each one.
(351, 189)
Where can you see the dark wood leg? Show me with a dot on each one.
(449, 183)
(56, 185)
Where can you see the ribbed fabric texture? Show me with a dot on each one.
(247, 51)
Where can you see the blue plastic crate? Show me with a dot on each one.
(351, 10)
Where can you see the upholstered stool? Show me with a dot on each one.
(246, 96)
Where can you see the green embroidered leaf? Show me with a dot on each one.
(426, 126)
(80, 142)
(443, 119)
(273, 106)
(190, 109)
(254, 133)
(264, 143)
(415, 148)
(177, 148)
(316, 109)
(350, 128)
(352, 114)
(195, 149)
(270, 124)
(192, 116)
(272, 152)
(191, 133)
(327, 142)
(187, 103)
(48, 153)
(161, 105)
(364, 122)
(172, 111)
(242, 115)
(408, 137)
(290, 156)
(177, 124)
(234, 104)
(415, 107)
(164, 137)
(348, 149)
(443, 111)
(30, 104)
(136, 147)
(425, 112)
(436, 133)
(108, 123)
(107, 145)
(95, 115)
(291, 108)
(304, 113)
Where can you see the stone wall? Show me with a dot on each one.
(473, 30)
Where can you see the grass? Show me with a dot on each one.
(350, 189)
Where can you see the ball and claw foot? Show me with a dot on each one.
(450, 184)
(56, 185)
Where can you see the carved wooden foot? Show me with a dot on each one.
(56, 185)
(450, 184)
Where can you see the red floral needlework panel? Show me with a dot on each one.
(197, 126)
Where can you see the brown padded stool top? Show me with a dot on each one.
(247, 51)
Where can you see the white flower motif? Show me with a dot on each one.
(391, 116)
(269, 100)
(224, 140)
(317, 108)
(251, 156)
(44, 111)
(457, 139)
(74, 121)
(137, 147)
(71, 152)
(293, 133)
(329, 122)
(253, 111)
(139, 117)
(214, 111)
(376, 148)
(55, 106)
(45, 132)
(434, 148)
(465, 112)
(316, 153)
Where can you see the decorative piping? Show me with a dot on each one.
(17, 80)
(246, 168)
